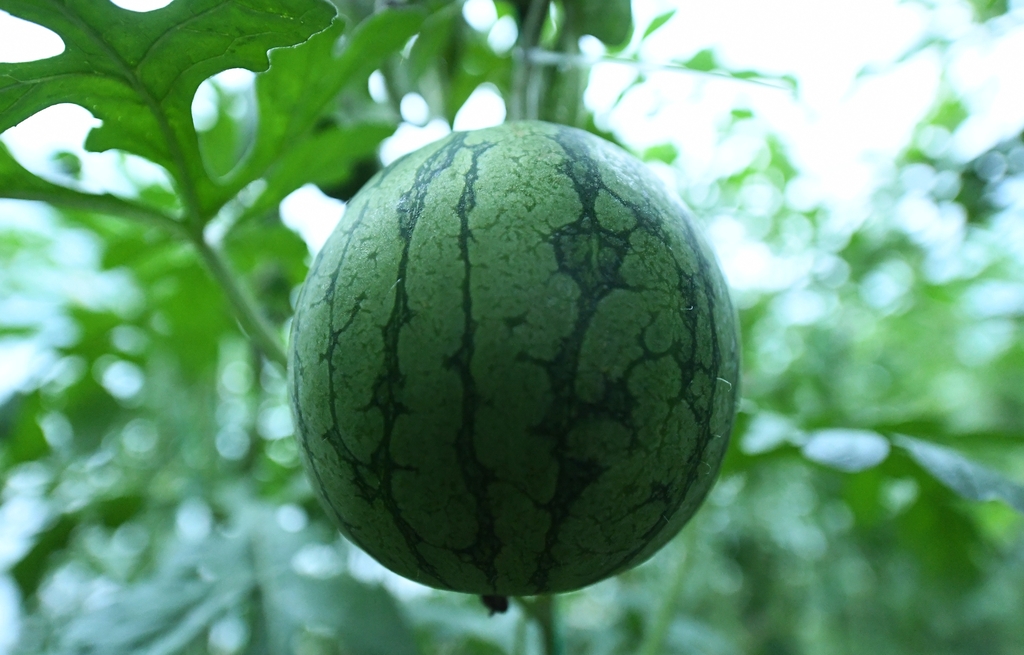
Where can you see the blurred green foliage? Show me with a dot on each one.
(153, 500)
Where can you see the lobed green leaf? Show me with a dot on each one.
(139, 72)
(294, 144)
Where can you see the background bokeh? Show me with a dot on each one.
(859, 168)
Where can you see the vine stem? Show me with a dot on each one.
(655, 635)
(543, 610)
(243, 304)
(103, 204)
(242, 301)
(524, 95)
(541, 57)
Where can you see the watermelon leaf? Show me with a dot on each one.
(325, 158)
(965, 477)
(292, 145)
(139, 72)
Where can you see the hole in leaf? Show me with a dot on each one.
(312, 214)
(141, 6)
(484, 108)
(50, 144)
(415, 109)
(58, 129)
(224, 114)
(408, 138)
(481, 15)
(22, 41)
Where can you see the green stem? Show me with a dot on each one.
(105, 204)
(524, 101)
(539, 57)
(543, 610)
(655, 636)
(519, 640)
(244, 304)
(547, 617)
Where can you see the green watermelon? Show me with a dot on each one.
(514, 364)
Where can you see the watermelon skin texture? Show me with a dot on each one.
(514, 363)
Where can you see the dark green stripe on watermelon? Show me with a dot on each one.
(514, 363)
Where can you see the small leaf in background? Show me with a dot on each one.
(29, 572)
(986, 9)
(24, 436)
(703, 61)
(325, 158)
(434, 39)
(845, 449)
(659, 20)
(273, 258)
(969, 479)
(666, 153)
(226, 131)
(787, 81)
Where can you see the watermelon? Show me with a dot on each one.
(514, 363)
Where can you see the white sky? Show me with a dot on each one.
(842, 132)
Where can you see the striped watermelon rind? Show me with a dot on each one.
(514, 363)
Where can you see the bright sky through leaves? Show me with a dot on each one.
(839, 127)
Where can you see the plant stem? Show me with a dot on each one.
(655, 636)
(524, 101)
(245, 308)
(547, 617)
(519, 641)
(539, 57)
(105, 204)
(542, 610)
(256, 326)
